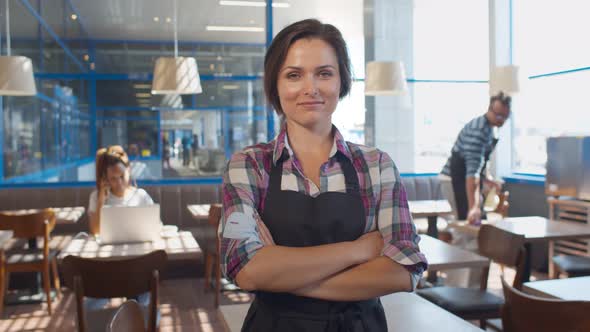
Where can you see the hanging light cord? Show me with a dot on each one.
(175, 30)
(8, 27)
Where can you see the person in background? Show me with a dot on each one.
(166, 152)
(318, 227)
(186, 150)
(113, 185)
(465, 172)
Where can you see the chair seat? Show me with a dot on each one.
(26, 256)
(98, 319)
(462, 300)
(573, 264)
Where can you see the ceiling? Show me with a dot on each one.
(134, 19)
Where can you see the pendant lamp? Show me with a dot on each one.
(385, 78)
(505, 79)
(16, 72)
(177, 75)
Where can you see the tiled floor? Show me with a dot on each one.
(184, 305)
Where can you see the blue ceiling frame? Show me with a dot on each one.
(52, 33)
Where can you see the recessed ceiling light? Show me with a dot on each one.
(253, 4)
(168, 20)
(74, 17)
(143, 95)
(233, 28)
(156, 19)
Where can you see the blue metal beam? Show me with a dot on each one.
(207, 109)
(141, 183)
(58, 40)
(166, 42)
(137, 77)
(562, 72)
(270, 117)
(79, 19)
(1, 139)
(413, 80)
(40, 40)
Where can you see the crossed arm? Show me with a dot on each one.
(344, 271)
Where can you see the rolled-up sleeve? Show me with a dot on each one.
(395, 221)
(239, 235)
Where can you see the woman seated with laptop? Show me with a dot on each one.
(113, 185)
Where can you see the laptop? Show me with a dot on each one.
(128, 224)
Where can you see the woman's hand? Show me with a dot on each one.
(265, 235)
(369, 245)
(102, 193)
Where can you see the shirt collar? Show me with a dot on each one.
(282, 143)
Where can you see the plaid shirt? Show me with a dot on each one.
(246, 181)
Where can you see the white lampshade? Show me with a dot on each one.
(176, 76)
(16, 76)
(505, 79)
(385, 78)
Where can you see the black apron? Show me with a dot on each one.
(298, 220)
(458, 175)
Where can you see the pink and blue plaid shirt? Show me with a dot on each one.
(246, 181)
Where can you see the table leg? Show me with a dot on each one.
(526, 276)
(432, 229)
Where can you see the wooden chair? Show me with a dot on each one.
(128, 318)
(522, 313)
(574, 266)
(212, 251)
(126, 277)
(497, 203)
(2, 277)
(32, 259)
(472, 303)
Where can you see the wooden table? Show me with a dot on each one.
(534, 229)
(63, 215)
(404, 312)
(571, 289)
(443, 256)
(181, 246)
(430, 209)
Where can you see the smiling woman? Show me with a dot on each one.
(318, 227)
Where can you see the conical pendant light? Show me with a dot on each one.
(385, 78)
(16, 72)
(177, 75)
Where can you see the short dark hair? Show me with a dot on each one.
(277, 52)
(505, 100)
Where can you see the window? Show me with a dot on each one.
(556, 57)
(451, 61)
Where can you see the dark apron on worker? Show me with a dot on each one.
(458, 175)
(298, 220)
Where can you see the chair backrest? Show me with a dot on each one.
(504, 248)
(128, 318)
(28, 225)
(125, 277)
(214, 215)
(522, 313)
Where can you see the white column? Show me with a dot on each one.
(500, 55)
(388, 37)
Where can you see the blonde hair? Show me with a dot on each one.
(107, 157)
